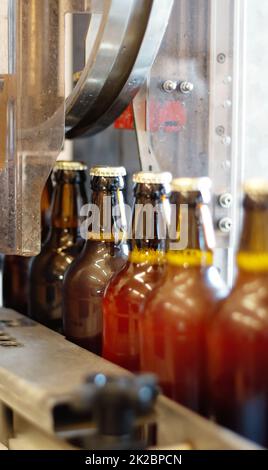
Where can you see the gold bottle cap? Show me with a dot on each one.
(256, 186)
(108, 171)
(149, 177)
(70, 166)
(191, 184)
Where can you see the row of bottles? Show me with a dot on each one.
(153, 301)
(156, 310)
(127, 292)
(34, 286)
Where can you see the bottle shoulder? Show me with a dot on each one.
(135, 280)
(184, 293)
(92, 270)
(246, 308)
(53, 261)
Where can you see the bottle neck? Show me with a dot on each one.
(191, 223)
(67, 201)
(149, 226)
(252, 255)
(107, 220)
(46, 209)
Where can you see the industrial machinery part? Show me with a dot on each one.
(116, 406)
(120, 57)
(124, 39)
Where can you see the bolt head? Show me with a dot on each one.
(186, 87)
(225, 225)
(169, 86)
(226, 200)
(221, 58)
(220, 130)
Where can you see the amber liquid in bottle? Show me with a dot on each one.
(238, 337)
(61, 247)
(16, 268)
(103, 255)
(173, 325)
(126, 294)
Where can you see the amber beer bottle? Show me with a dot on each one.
(173, 325)
(238, 337)
(104, 254)
(127, 292)
(63, 244)
(16, 268)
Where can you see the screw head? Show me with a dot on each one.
(221, 58)
(226, 140)
(220, 130)
(169, 86)
(186, 87)
(225, 225)
(225, 200)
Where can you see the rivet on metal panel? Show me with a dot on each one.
(227, 104)
(225, 225)
(186, 87)
(228, 80)
(225, 200)
(226, 140)
(221, 58)
(220, 130)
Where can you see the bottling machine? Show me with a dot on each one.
(176, 68)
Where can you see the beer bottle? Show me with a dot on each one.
(174, 321)
(104, 254)
(63, 244)
(16, 268)
(46, 209)
(238, 336)
(127, 292)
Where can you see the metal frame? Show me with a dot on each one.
(226, 127)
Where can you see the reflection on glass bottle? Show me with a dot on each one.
(173, 325)
(104, 254)
(62, 245)
(126, 294)
(16, 268)
(238, 337)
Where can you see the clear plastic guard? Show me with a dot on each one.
(32, 111)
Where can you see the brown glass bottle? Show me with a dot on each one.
(126, 294)
(174, 321)
(63, 244)
(238, 336)
(16, 268)
(104, 254)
